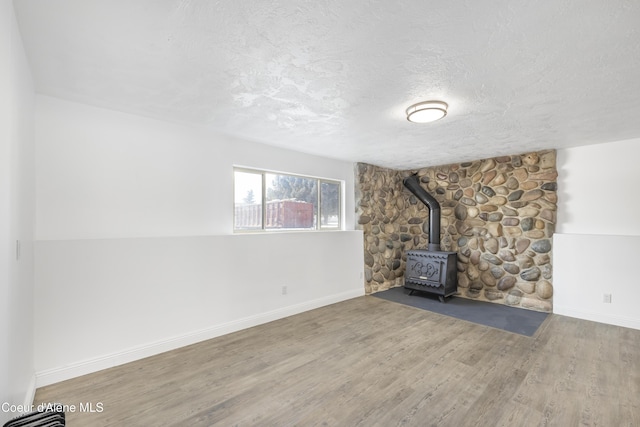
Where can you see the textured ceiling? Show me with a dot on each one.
(333, 77)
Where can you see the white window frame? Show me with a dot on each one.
(318, 222)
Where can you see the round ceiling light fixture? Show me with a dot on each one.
(427, 111)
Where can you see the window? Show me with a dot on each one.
(277, 201)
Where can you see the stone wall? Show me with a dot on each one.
(498, 214)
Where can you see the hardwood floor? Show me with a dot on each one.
(371, 362)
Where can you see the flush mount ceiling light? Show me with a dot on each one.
(427, 111)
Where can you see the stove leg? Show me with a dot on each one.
(441, 298)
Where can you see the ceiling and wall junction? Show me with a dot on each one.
(334, 78)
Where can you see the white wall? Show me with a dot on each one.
(599, 179)
(103, 174)
(109, 301)
(17, 195)
(135, 251)
(597, 240)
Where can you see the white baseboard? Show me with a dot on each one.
(30, 394)
(597, 317)
(51, 376)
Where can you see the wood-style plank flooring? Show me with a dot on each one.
(370, 362)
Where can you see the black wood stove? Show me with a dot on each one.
(431, 270)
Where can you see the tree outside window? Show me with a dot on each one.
(290, 202)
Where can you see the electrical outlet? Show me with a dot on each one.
(606, 298)
(284, 290)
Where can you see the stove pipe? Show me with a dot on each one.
(413, 184)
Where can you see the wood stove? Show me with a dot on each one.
(430, 270)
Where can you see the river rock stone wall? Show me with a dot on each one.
(498, 214)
